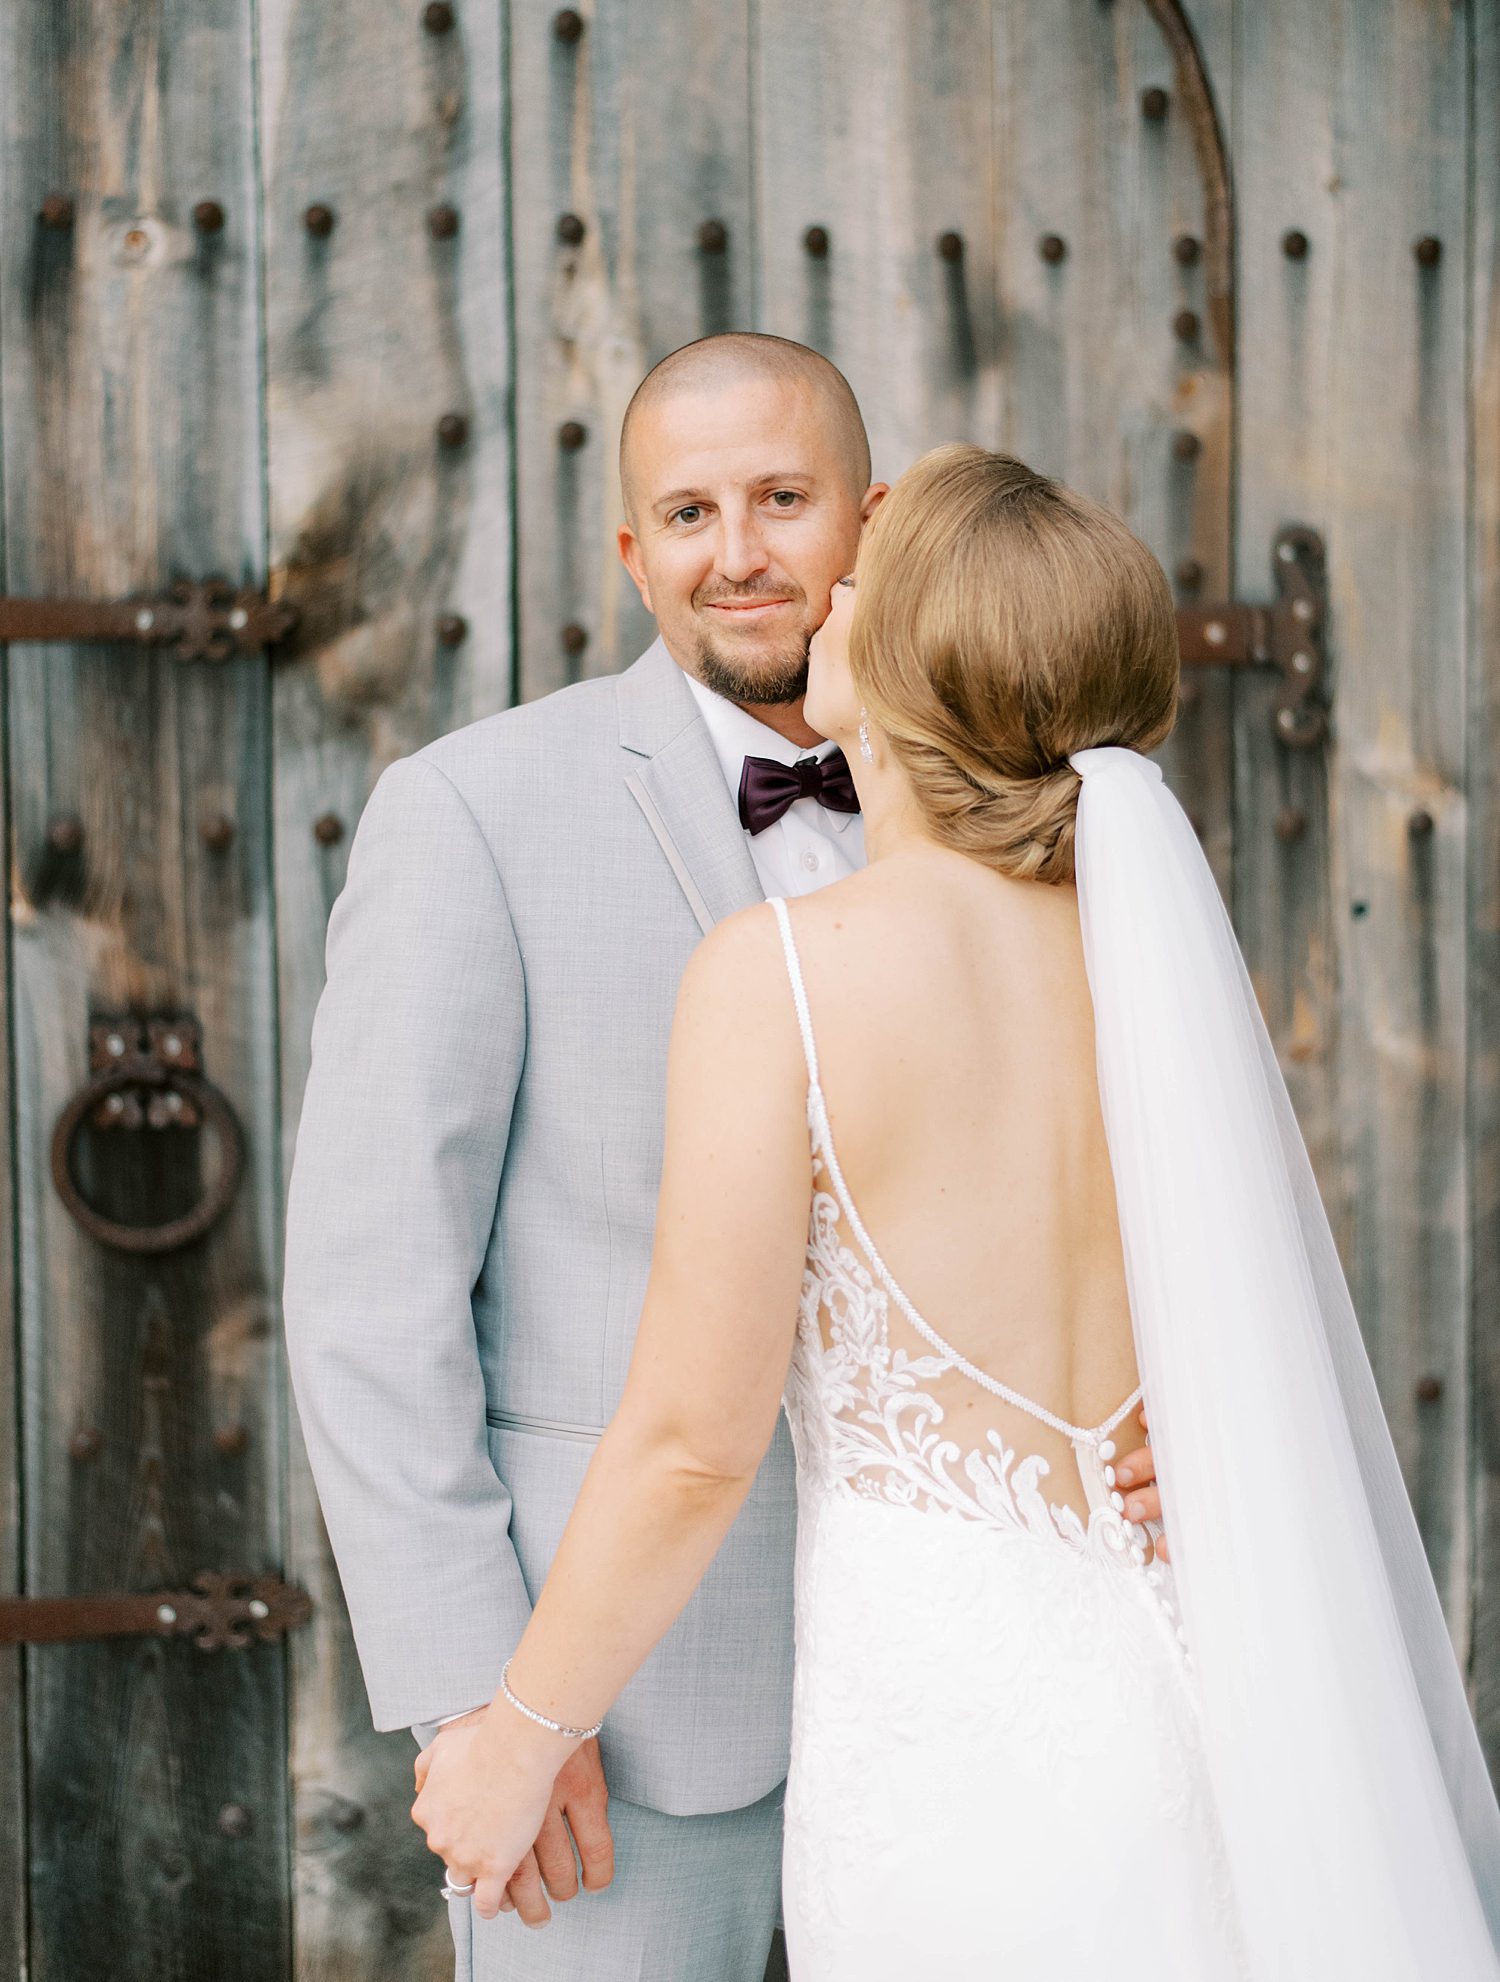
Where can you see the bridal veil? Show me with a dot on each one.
(1361, 1828)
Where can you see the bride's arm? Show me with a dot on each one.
(699, 1406)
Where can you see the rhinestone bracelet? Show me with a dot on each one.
(552, 1726)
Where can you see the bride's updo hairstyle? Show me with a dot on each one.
(1001, 622)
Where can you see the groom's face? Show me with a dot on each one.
(742, 513)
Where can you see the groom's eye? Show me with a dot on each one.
(689, 513)
(784, 498)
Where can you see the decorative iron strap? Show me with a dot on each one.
(218, 1612)
(207, 621)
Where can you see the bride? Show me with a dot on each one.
(961, 1153)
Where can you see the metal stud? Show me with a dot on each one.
(452, 430)
(58, 212)
(318, 220)
(951, 246)
(437, 17)
(1186, 325)
(574, 638)
(713, 237)
(65, 833)
(1421, 824)
(570, 229)
(1359, 910)
(86, 1443)
(1291, 824)
(1052, 248)
(452, 629)
(328, 829)
(217, 832)
(1428, 250)
(567, 26)
(1189, 574)
(1295, 244)
(815, 240)
(231, 1440)
(1154, 104)
(1187, 248)
(208, 217)
(442, 222)
(165, 1614)
(258, 1608)
(234, 1820)
(1186, 446)
(1429, 1389)
(571, 436)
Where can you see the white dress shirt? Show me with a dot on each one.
(809, 845)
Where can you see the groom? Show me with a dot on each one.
(470, 1222)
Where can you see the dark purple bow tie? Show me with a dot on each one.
(768, 788)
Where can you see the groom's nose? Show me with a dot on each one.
(741, 550)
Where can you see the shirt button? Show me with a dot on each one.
(810, 861)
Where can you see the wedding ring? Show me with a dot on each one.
(451, 1891)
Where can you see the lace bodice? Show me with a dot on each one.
(868, 1403)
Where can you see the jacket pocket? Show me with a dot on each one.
(544, 1427)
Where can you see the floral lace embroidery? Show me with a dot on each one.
(861, 1418)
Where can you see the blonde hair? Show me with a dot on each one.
(1001, 622)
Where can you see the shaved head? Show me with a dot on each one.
(716, 365)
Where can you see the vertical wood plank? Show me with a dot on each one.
(639, 131)
(1353, 134)
(873, 127)
(129, 386)
(1104, 386)
(13, 1827)
(1483, 785)
(377, 327)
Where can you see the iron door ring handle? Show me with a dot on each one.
(210, 1208)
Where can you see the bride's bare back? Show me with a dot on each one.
(955, 1031)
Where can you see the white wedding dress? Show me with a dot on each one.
(1021, 1750)
(996, 1769)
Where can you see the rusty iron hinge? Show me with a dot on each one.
(1287, 634)
(218, 1612)
(207, 620)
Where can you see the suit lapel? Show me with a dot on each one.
(673, 773)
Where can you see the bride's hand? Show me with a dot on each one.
(1135, 1476)
(483, 1793)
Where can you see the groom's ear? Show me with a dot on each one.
(634, 563)
(875, 495)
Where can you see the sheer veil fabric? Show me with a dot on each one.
(1361, 1828)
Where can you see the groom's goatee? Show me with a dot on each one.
(778, 678)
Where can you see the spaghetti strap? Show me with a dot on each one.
(799, 989)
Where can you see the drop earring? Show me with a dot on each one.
(864, 737)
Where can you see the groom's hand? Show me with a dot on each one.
(1135, 1477)
(580, 1804)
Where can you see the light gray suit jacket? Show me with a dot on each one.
(472, 1202)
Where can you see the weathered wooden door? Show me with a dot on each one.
(344, 305)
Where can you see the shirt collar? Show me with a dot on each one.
(736, 735)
